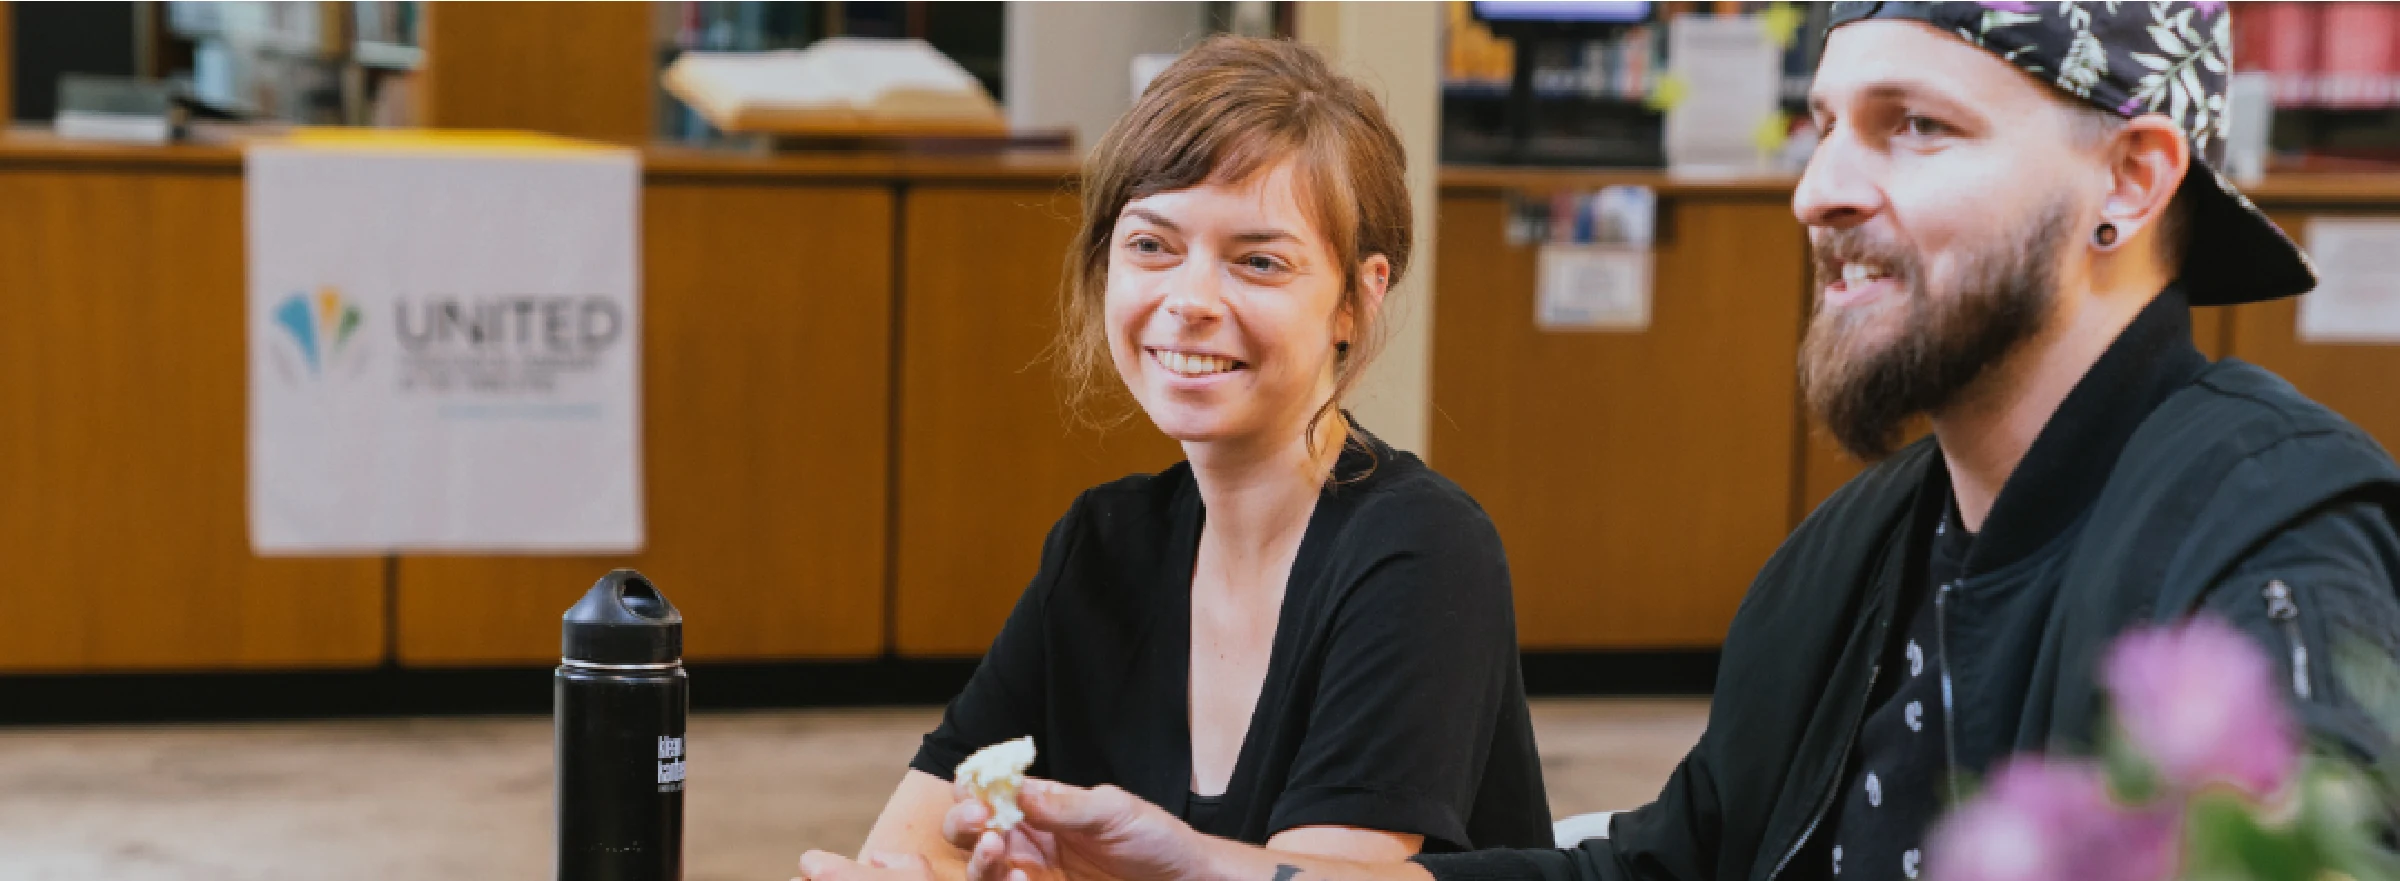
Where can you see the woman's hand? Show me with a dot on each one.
(1021, 854)
(1107, 834)
(1075, 834)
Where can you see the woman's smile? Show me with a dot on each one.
(1188, 367)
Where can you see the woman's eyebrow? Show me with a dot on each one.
(1154, 219)
(1265, 235)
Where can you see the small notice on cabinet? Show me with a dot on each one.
(1593, 269)
(1593, 287)
(2357, 299)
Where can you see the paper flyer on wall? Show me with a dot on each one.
(2357, 299)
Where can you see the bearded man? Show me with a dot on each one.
(2013, 209)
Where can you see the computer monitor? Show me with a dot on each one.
(1570, 12)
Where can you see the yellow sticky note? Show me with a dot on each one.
(1781, 22)
(1666, 92)
(1771, 133)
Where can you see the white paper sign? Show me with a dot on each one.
(444, 350)
(2357, 299)
(1593, 287)
(2249, 118)
(1733, 77)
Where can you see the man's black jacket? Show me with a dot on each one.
(2231, 481)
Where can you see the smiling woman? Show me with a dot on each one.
(1299, 636)
(1305, 156)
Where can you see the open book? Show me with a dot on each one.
(838, 86)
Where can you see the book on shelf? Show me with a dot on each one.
(839, 85)
(2322, 55)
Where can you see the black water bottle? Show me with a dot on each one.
(620, 702)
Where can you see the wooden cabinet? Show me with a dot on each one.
(1639, 478)
(766, 342)
(988, 458)
(771, 347)
(122, 424)
(852, 442)
(2359, 381)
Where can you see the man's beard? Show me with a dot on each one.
(1949, 337)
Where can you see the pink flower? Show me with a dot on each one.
(2041, 821)
(2200, 702)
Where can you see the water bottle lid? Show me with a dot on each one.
(623, 620)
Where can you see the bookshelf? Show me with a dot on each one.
(1590, 90)
(2334, 71)
(8, 64)
(384, 36)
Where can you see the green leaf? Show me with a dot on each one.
(2130, 775)
(2146, 92)
(2341, 813)
(2150, 61)
(2222, 838)
(1995, 19)
(2167, 42)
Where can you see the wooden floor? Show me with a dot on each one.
(404, 800)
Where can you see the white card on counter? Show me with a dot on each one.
(2357, 299)
(1593, 287)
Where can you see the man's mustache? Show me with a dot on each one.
(1831, 249)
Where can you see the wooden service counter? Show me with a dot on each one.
(1640, 479)
(838, 371)
(851, 447)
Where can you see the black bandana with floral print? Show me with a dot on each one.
(2133, 58)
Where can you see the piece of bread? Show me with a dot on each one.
(993, 774)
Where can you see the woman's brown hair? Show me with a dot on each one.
(1228, 109)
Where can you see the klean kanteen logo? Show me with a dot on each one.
(318, 329)
(670, 764)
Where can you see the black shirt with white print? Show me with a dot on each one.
(1899, 768)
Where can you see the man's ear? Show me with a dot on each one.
(2146, 163)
